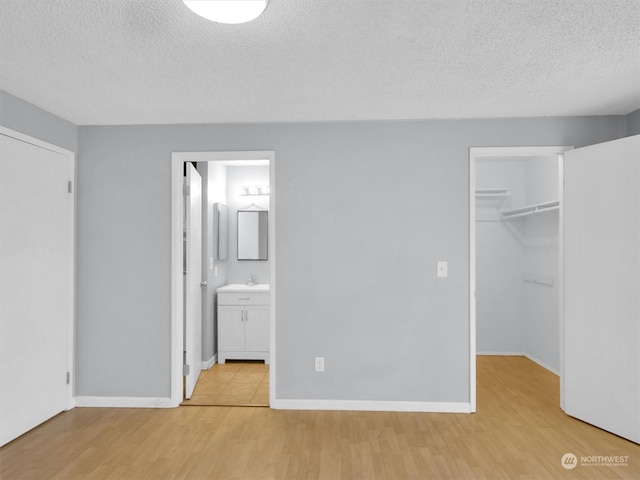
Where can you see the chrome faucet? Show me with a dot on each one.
(251, 281)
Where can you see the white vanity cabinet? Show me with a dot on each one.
(243, 323)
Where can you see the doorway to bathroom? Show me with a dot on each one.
(229, 373)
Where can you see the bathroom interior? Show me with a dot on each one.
(236, 278)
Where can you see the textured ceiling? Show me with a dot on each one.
(153, 61)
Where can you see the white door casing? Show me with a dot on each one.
(193, 277)
(36, 282)
(476, 153)
(177, 288)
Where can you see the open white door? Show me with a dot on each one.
(193, 279)
(602, 286)
(36, 284)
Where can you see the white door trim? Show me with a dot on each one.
(177, 294)
(71, 162)
(476, 153)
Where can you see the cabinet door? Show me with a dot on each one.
(230, 329)
(257, 329)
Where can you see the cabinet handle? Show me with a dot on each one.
(244, 298)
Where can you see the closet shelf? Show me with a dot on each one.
(529, 210)
(493, 192)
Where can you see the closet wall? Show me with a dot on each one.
(517, 258)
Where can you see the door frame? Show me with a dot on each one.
(177, 295)
(476, 153)
(71, 272)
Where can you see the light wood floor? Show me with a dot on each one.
(232, 384)
(518, 432)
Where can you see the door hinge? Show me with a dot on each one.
(185, 370)
(70, 186)
(68, 378)
(186, 190)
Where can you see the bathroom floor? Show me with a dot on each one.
(236, 383)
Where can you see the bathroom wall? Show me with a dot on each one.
(238, 176)
(214, 272)
(221, 184)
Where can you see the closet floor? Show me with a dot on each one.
(233, 383)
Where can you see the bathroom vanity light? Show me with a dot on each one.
(256, 190)
(228, 11)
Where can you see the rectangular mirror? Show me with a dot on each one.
(252, 234)
(220, 231)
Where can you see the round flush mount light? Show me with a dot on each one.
(228, 11)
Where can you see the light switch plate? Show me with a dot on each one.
(442, 269)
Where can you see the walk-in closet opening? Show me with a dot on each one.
(516, 256)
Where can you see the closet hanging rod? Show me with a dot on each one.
(530, 210)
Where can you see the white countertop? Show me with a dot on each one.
(242, 288)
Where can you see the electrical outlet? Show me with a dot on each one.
(319, 364)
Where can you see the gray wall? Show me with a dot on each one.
(364, 211)
(26, 118)
(633, 123)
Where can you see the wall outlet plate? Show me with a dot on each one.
(442, 269)
(319, 364)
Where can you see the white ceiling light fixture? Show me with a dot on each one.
(228, 11)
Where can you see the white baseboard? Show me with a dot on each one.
(502, 354)
(207, 364)
(372, 406)
(522, 354)
(542, 364)
(124, 402)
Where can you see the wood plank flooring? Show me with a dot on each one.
(519, 432)
(232, 384)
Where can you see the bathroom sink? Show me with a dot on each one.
(239, 288)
